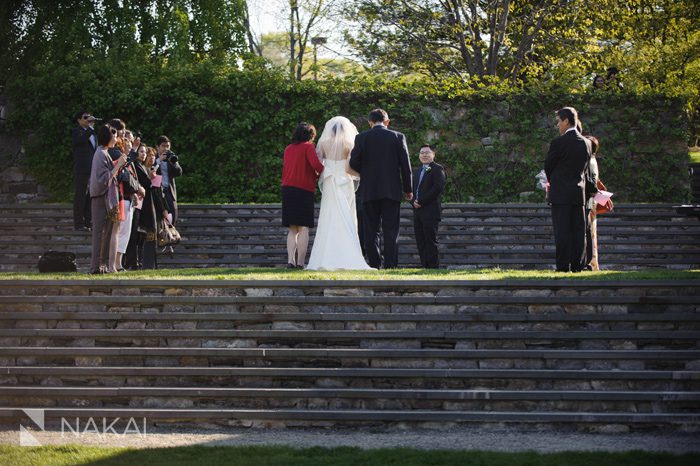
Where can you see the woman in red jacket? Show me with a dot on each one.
(299, 175)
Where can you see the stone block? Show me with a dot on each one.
(26, 361)
(348, 292)
(169, 307)
(545, 309)
(160, 361)
(396, 325)
(455, 292)
(159, 325)
(435, 309)
(329, 383)
(207, 292)
(295, 325)
(12, 175)
(131, 325)
(177, 292)
(78, 342)
(535, 293)
(214, 324)
(259, 292)
(281, 309)
(389, 344)
(88, 361)
(65, 324)
(31, 324)
(329, 325)
(184, 325)
(289, 292)
(134, 291)
(219, 308)
(578, 309)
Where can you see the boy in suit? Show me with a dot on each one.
(429, 184)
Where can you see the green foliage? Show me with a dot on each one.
(61, 32)
(230, 127)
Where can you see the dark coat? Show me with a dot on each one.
(174, 170)
(83, 150)
(565, 165)
(152, 208)
(380, 156)
(429, 192)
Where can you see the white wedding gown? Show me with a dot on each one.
(337, 246)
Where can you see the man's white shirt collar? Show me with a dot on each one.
(570, 129)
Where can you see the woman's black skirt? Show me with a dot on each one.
(297, 207)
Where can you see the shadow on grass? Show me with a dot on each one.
(350, 456)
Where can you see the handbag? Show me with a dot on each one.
(608, 206)
(167, 234)
(56, 261)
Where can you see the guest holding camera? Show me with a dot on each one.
(104, 198)
(152, 210)
(169, 168)
(84, 144)
(130, 190)
(133, 257)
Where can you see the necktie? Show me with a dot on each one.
(420, 178)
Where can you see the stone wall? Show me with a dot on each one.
(16, 185)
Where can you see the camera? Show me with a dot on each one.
(170, 156)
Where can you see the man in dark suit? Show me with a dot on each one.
(565, 167)
(170, 169)
(380, 156)
(428, 186)
(84, 144)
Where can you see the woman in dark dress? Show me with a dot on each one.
(152, 211)
(299, 175)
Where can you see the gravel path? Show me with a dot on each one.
(501, 439)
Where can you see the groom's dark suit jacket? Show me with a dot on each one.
(381, 158)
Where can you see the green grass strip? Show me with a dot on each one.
(350, 456)
(396, 274)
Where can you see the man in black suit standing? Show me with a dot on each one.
(380, 156)
(170, 168)
(84, 144)
(565, 167)
(428, 186)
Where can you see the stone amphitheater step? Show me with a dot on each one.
(353, 352)
(325, 418)
(472, 235)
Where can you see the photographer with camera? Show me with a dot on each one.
(169, 167)
(84, 144)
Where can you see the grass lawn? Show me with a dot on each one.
(396, 274)
(287, 456)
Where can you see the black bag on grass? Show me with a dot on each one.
(56, 261)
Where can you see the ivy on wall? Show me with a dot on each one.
(230, 128)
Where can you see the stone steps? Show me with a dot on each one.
(326, 418)
(332, 353)
(360, 399)
(472, 236)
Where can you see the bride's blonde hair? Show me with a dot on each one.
(337, 139)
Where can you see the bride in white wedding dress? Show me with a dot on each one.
(336, 245)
